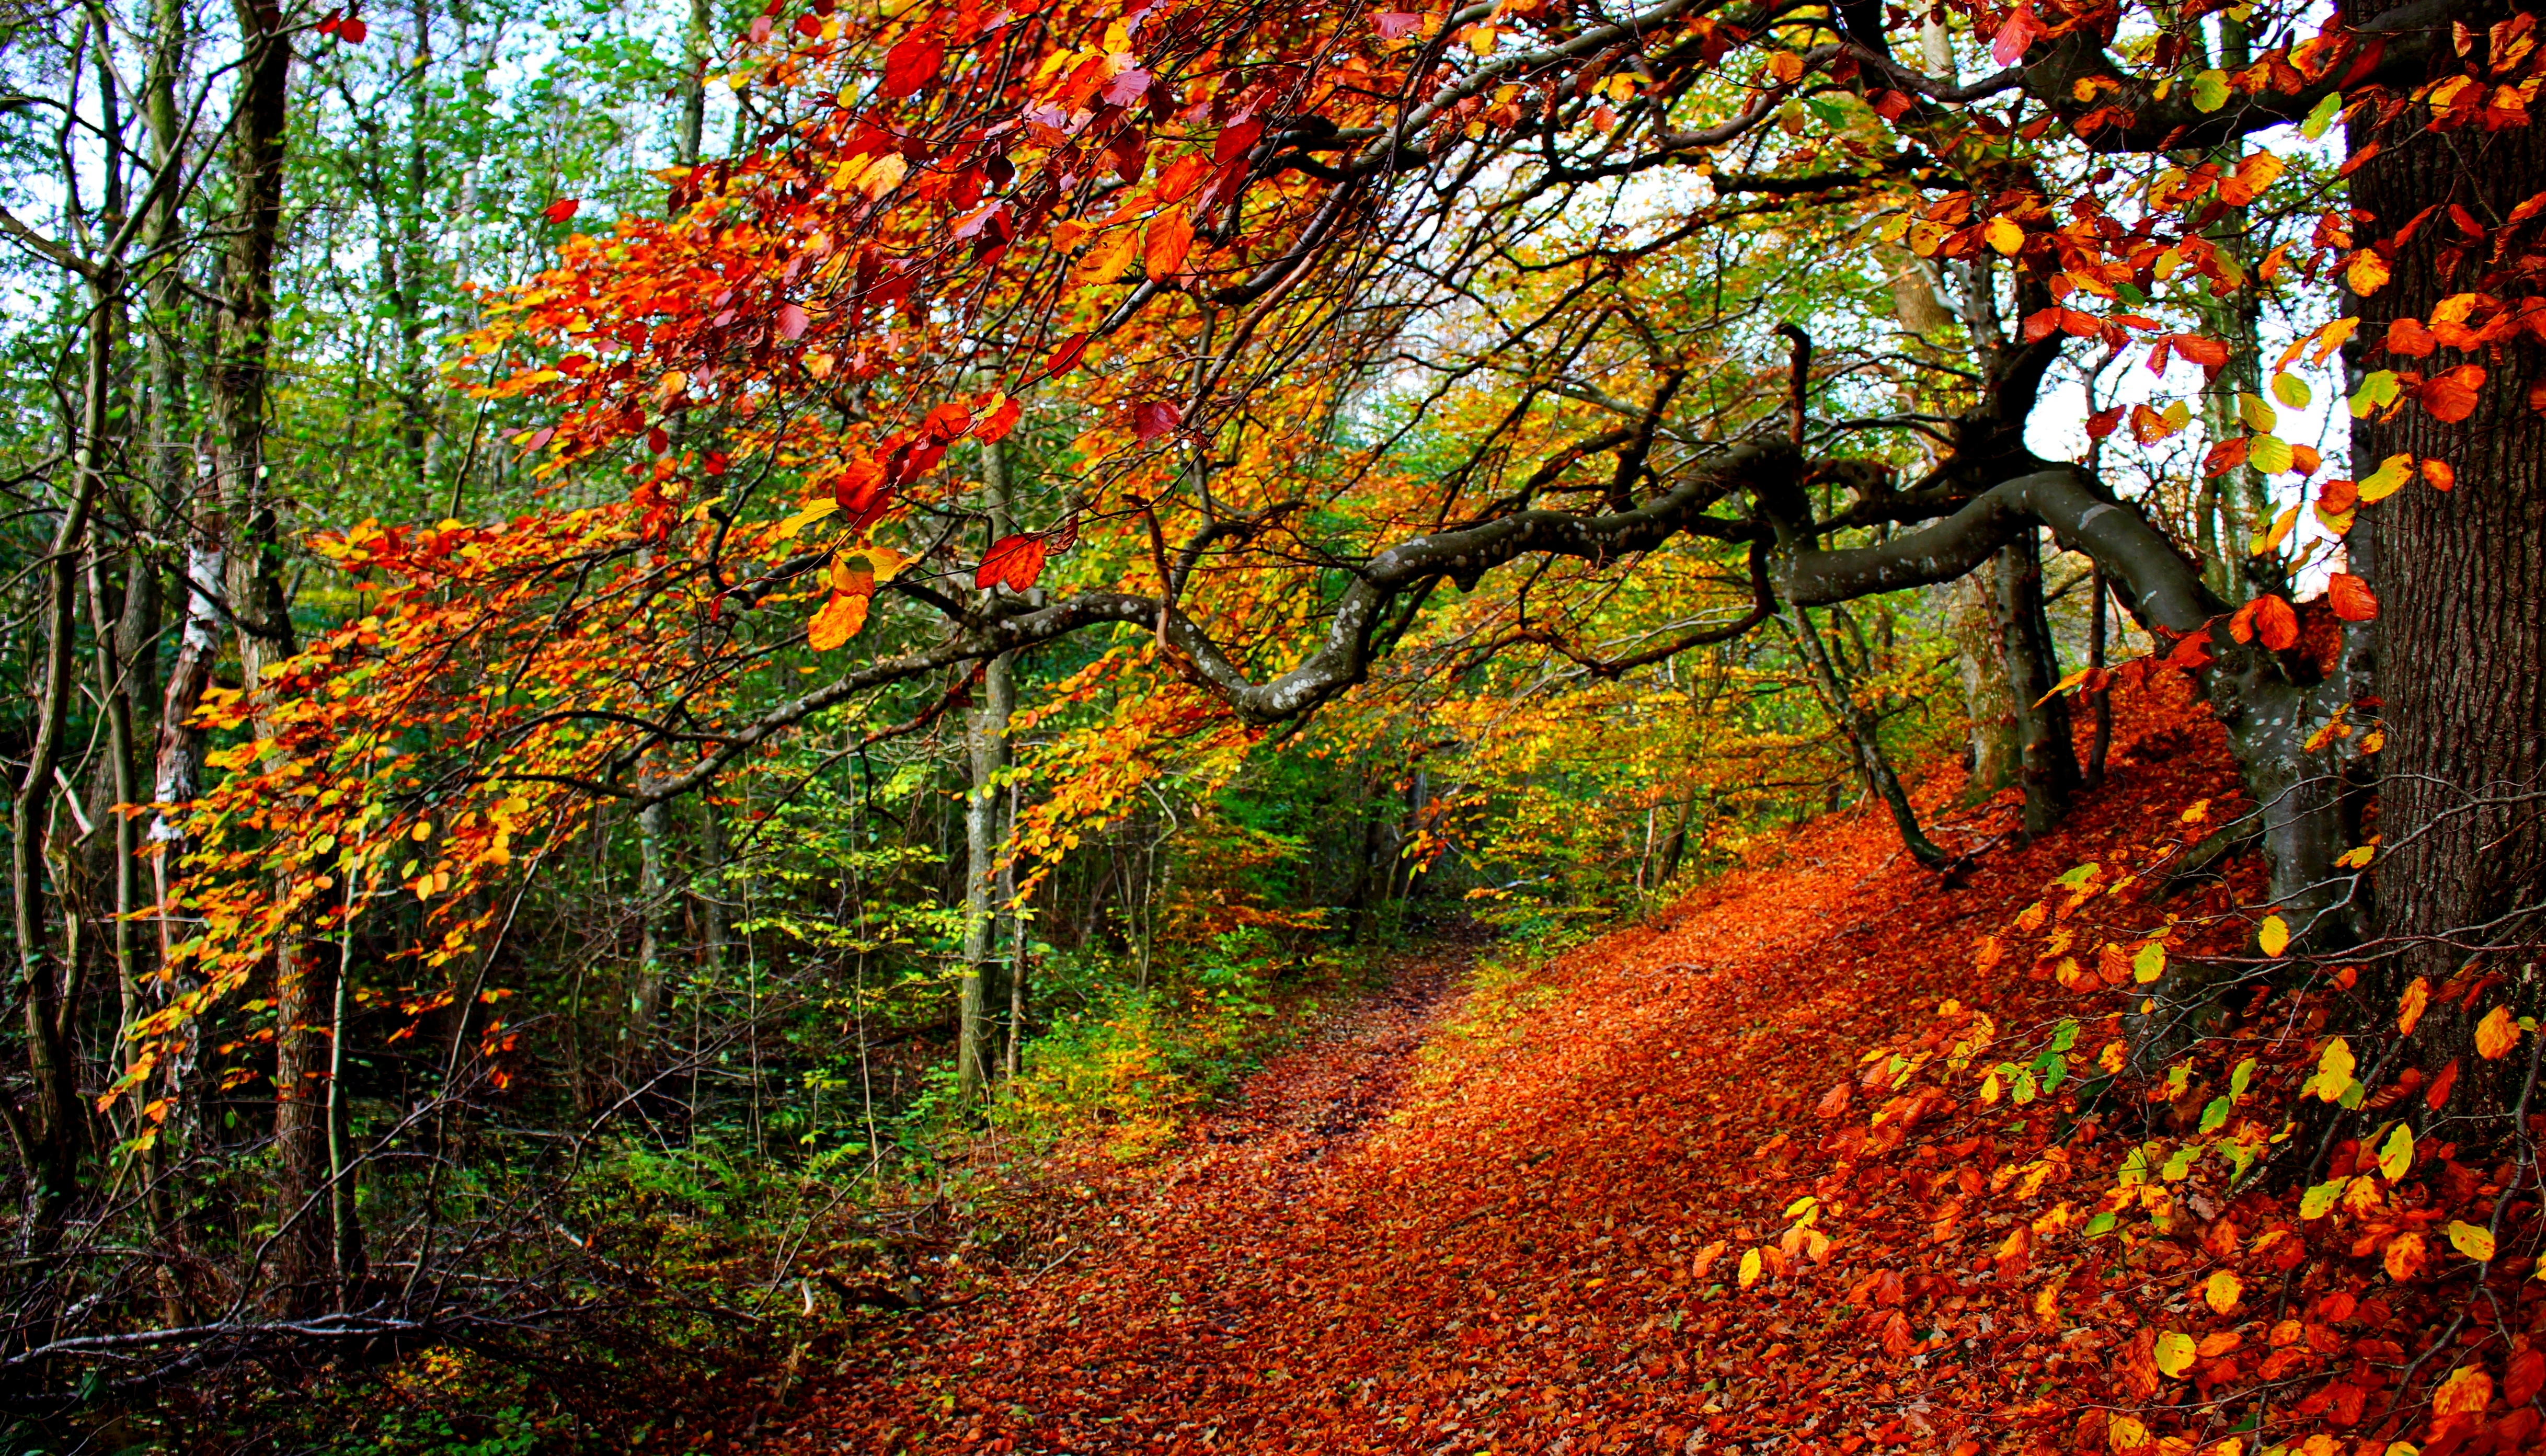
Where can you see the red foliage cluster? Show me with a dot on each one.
(1686, 1188)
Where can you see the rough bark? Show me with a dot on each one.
(2046, 760)
(2461, 580)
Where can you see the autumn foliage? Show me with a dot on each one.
(1829, 1152)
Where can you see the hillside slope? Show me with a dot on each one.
(1516, 1222)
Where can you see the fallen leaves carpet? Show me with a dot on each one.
(1498, 1219)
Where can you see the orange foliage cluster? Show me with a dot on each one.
(1735, 1180)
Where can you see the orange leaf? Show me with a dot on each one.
(2441, 475)
(1016, 561)
(1170, 238)
(2351, 598)
(2451, 397)
(840, 619)
(2277, 625)
(1834, 1103)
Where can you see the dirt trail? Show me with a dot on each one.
(1475, 1223)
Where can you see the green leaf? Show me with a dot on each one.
(2210, 90)
(2270, 454)
(2320, 1200)
(2377, 392)
(2257, 415)
(2291, 391)
(2241, 1078)
(2320, 115)
(2101, 1222)
(2215, 1116)
(2064, 1036)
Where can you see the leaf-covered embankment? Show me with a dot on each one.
(1540, 1245)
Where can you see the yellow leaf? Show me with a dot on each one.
(1481, 39)
(2273, 456)
(1787, 66)
(2124, 1434)
(2334, 1068)
(883, 175)
(2475, 1242)
(2273, 935)
(840, 619)
(2367, 273)
(1749, 1269)
(2257, 415)
(2466, 1392)
(813, 511)
(2175, 1351)
(2003, 235)
(2388, 479)
(2148, 963)
(2396, 1156)
(1108, 262)
(2222, 1291)
(2291, 391)
(2496, 1034)
(2408, 1008)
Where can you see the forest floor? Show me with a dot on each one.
(1500, 1207)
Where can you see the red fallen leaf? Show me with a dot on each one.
(715, 463)
(2351, 598)
(2450, 398)
(1891, 105)
(353, 31)
(791, 322)
(1153, 419)
(2104, 422)
(1834, 1103)
(1016, 561)
(910, 65)
(1066, 356)
(2441, 473)
(947, 422)
(2014, 38)
(1396, 24)
(2525, 1376)
(560, 209)
(993, 427)
(1128, 87)
(2225, 456)
(2337, 496)
(809, 26)
(656, 441)
(2041, 324)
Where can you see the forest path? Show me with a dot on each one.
(1481, 1222)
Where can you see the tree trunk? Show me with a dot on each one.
(51, 1133)
(986, 744)
(2048, 759)
(1862, 733)
(302, 977)
(2461, 581)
